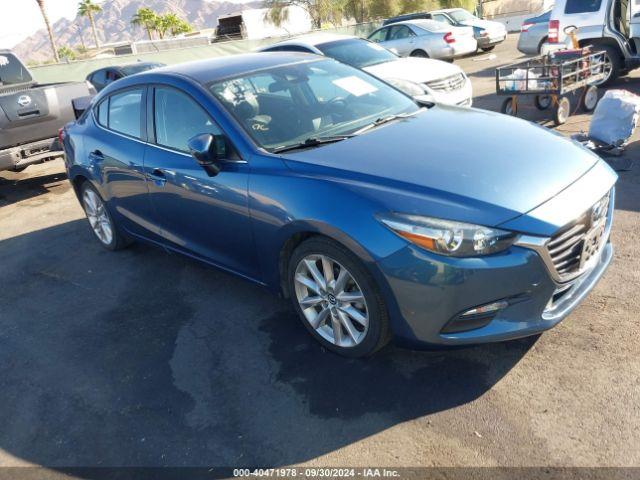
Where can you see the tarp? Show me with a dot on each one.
(615, 117)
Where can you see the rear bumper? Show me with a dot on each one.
(484, 42)
(16, 158)
(528, 44)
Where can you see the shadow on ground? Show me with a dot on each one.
(144, 358)
(16, 187)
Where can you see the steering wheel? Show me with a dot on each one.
(337, 106)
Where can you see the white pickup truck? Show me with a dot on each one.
(31, 114)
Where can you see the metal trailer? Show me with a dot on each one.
(550, 79)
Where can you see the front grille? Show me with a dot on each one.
(448, 84)
(574, 245)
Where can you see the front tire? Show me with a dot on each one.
(337, 299)
(100, 220)
(590, 99)
(488, 49)
(562, 111)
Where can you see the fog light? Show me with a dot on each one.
(474, 318)
(484, 309)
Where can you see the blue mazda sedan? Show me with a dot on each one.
(379, 217)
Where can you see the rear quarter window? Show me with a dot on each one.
(582, 6)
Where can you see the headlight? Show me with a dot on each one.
(445, 237)
(410, 88)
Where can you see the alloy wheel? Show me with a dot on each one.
(98, 217)
(331, 300)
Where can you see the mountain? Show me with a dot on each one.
(113, 24)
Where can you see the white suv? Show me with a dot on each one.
(609, 25)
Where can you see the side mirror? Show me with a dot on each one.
(208, 149)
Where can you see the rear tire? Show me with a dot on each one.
(509, 107)
(488, 49)
(543, 102)
(614, 60)
(100, 220)
(328, 297)
(419, 54)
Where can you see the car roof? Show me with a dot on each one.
(431, 25)
(218, 68)
(313, 39)
(446, 10)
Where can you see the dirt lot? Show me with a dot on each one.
(145, 358)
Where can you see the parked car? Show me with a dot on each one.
(488, 33)
(612, 26)
(104, 76)
(366, 208)
(441, 81)
(426, 39)
(31, 114)
(534, 33)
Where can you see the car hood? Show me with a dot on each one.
(456, 163)
(418, 70)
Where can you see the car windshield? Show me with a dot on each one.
(288, 105)
(137, 68)
(461, 15)
(12, 71)
(357, 53)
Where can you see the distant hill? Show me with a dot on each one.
(113, 24)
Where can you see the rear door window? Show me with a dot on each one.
(399, 32)
(125, 110)
(379, 36)
(582, 6)
(438, 17)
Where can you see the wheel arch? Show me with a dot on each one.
(604, 41)
(419, 50)
(296, 233)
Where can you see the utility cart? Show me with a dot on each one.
(551, 78)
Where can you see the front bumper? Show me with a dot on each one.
(462, 97)
(430, 291)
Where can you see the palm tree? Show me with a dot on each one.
(175, 25)
(145, 18)
(161, 25)
(86, 8)
(49, 31)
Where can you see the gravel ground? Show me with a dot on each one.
(150, 359)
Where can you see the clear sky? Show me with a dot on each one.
(21, 18)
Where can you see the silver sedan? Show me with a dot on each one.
(426, 38)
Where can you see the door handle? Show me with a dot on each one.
(158, 177)
(96, 156)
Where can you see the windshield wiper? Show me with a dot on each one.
(382, 120)
(311, 142)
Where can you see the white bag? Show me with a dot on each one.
(517, 81)
(615, 117)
